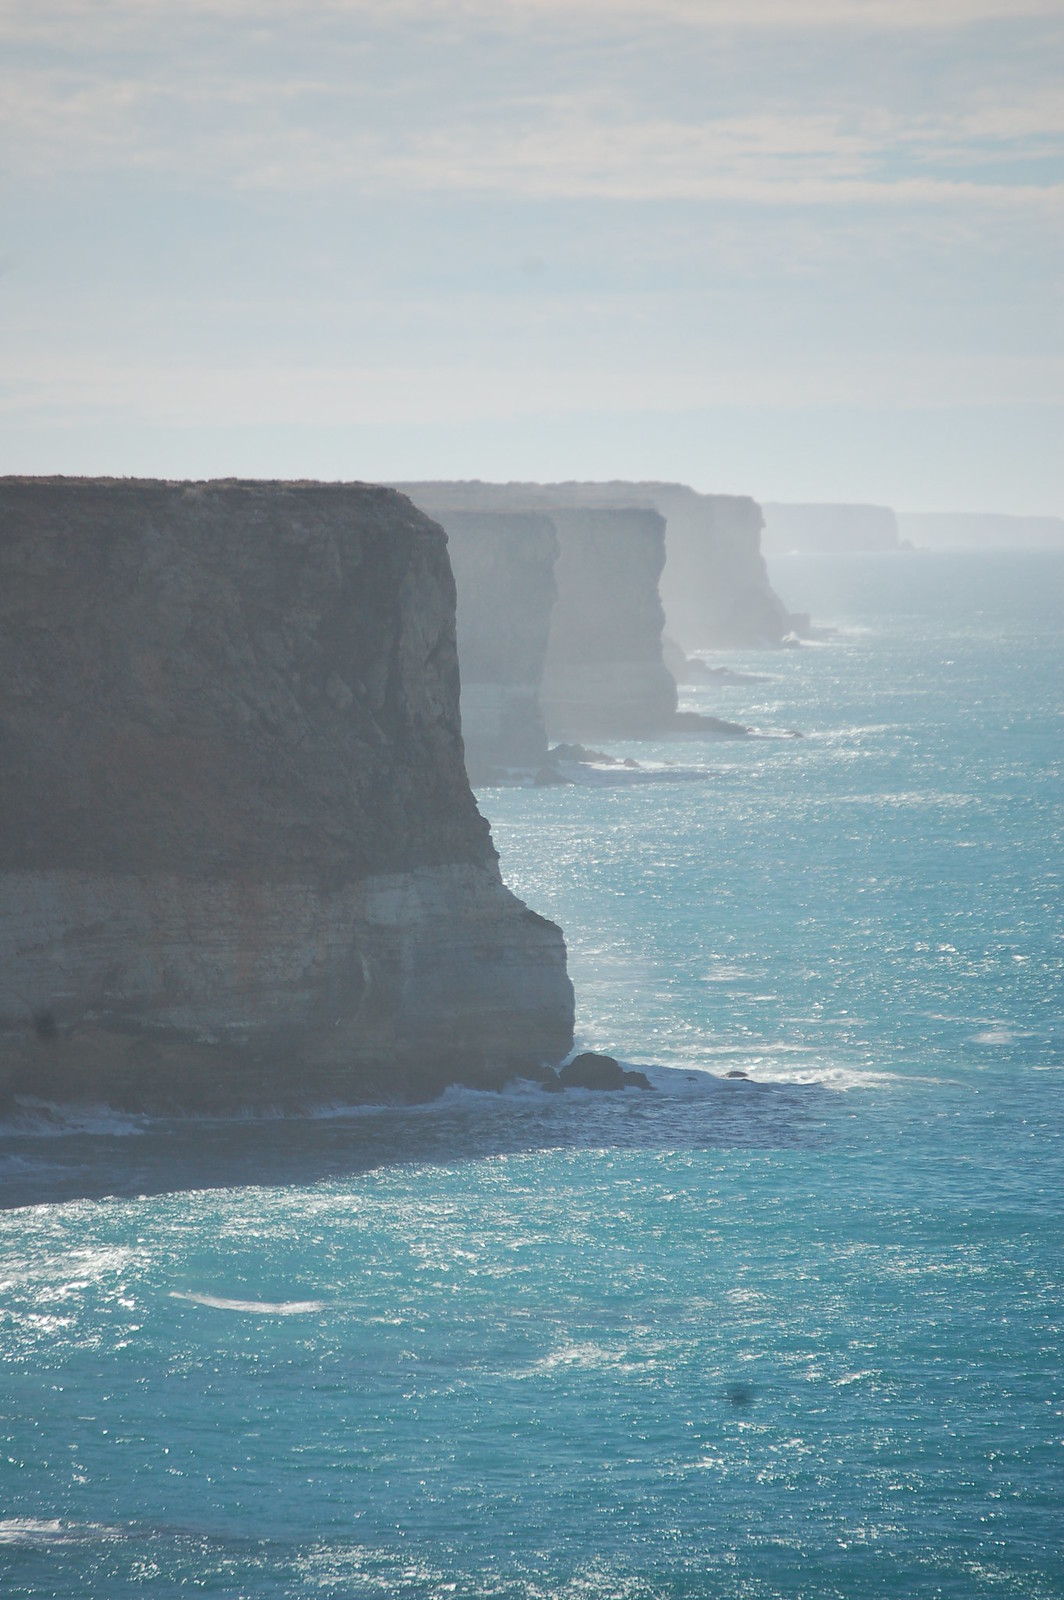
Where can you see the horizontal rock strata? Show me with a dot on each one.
(240, 863)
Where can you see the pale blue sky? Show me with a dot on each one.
(798, 248)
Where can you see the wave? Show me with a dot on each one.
(47, 1119)
(261, 1308)
(40, 1531)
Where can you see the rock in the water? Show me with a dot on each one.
(240, 862)
(591, 1071)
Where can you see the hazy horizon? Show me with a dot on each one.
(808, 252)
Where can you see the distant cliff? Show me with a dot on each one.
(715, 586)
(830, 529)
(604, 676)
(240, 863)
(504, 570)
(958, 530)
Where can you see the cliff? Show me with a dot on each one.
(715, 586)
(604, 676)
(504, 565)
(240, 862)
(960, 530)
(602, 673)
(831, 529)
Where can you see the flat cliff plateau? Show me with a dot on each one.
(715, 586)
(503, 562)
(240, 862)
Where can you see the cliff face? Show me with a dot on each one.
(240, 862)
(504, 569)
(715, 586)
(604, 676)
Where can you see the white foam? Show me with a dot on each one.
(44, 1119)
(262, 1308)
(45, 1531)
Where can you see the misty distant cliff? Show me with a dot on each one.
(504, 567)
(604, 676)
(714, 587)
(240, 862)
(959, 530)
(830, 528)
(601, 673)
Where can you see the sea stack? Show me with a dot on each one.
(240, 861)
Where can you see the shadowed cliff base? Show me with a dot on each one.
(240, 862)
(50, 1154)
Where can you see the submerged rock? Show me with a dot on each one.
(240, 862)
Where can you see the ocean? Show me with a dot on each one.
(794, 1333)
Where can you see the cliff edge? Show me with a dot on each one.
(240, 862)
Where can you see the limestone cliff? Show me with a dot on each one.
(504, 570)
(240, 863)
(715, 586)
(604, 676)
(960, 530)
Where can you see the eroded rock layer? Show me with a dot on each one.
(240, 862)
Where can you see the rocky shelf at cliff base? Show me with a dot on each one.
(240, 861)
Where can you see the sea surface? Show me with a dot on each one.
(797, 1333)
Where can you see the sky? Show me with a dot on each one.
(801, 249)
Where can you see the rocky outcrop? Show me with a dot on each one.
(715, 586)
(604, 676)
(828, 529)
(504, 570)
(240, 862)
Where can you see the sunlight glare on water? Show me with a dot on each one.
(796, 1333)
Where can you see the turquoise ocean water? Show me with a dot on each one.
(798, 1334)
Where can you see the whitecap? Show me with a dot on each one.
(262, 1308)
(48, 1531)
(44, 1119)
